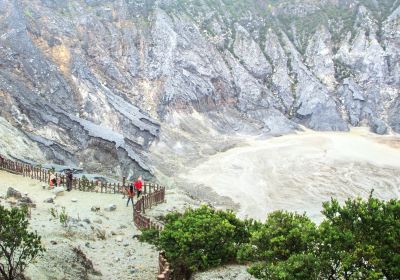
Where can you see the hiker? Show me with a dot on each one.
(125, 189)
(1, 160)
(53, 180)
(138, 186)
(131, 193)
(69, 178)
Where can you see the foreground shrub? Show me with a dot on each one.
(150, 236)
(357, 240)
(200, 239)
(361, 239)
(18, 246)
(280, 247)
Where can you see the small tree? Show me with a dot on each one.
(360, 239)
(199, 239)
(18, 246)
(281, 247)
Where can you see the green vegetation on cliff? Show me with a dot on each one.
(357, 240)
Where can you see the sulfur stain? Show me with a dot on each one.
(62, 57)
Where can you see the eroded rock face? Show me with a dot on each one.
(92, 82)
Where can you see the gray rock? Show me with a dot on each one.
(111, 207)
(95, 209)
(49, 200)
(11, 192)
(58, 191)
(240, 74)
(25, 200)
(226, 272)
(98, 221)
(379, 126)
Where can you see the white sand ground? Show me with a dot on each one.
(298, 172)
(119, 256)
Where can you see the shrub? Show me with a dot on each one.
(200, 239)
(281, 246)
(150, 236)
(18, 246)
(361, 239)
(63, 216)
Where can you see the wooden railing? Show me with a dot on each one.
(164, 269)
(146, 202)
(153, 194)
(43, 175)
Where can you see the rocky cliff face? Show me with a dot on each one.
(96, 81)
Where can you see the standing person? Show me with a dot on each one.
(1, 160)
(53, 180)
(138, 186)
(69, 178)
(131, 193)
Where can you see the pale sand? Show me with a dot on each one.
(115, 259)
(298, 172)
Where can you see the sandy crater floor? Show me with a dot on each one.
(298, 172)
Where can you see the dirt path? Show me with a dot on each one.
(118, 256)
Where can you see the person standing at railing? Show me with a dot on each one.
(69, 178)
(131, 194)
(52, 180)
(138, 186)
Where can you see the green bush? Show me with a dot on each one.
(18, 246)
(85, 184)
(359, 240)
(150, 236)
(356, 240)
(280, 247)
(200, 238)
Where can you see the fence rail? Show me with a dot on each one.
(153, 194)
(164, 269)
(43, 175)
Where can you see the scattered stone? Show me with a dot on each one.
(118, 239)
(98, 221)
(95, 209)
(111, 207)
(11, 201)
(53, 242)
(11, 192)
(123, 226)
(25, 199)
(58, 191)
(48, 200)
(86, 220)
(74, 200)
(136, 236)
(113, 233)
(126, 244)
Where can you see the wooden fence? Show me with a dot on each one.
(153, 194)
(43, 175)
(164, 269)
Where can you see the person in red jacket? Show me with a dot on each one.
(138, 186)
